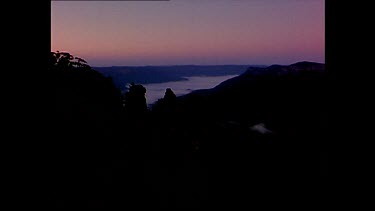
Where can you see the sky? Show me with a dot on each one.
(181, 32)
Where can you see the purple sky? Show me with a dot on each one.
(177, 32)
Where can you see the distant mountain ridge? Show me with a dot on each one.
(122, 75)
(255, 73)
(272, 94)
(286, 69)
(295, 69)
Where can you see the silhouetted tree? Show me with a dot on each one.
(63, 60)
(135, 100)
(86, 124)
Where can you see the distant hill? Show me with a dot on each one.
(284, 97)
(299, 69)
(122, 75)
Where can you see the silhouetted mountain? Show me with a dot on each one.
(249, 142)
(260, 93)
(257, 135)
(306, 66)
(287, 100)
(160, 74)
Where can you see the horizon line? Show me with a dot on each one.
(183, 65)
(173, 65)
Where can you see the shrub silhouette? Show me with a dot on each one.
(64, 60)
(135, 100)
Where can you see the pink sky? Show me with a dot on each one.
(181, 32)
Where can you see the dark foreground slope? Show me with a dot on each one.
(197, 152)
(246, 164)
(85, 123)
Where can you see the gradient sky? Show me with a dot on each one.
(177, 32)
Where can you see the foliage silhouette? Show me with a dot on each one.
(64, 60)
(86, 123)
(135, 99)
